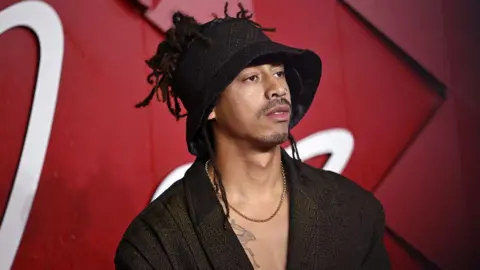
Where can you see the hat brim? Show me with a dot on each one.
(304, 70)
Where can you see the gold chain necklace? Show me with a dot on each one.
(240, 213)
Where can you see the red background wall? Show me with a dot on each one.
(386, 64)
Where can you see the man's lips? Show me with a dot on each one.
(279, 109)
(280, 113)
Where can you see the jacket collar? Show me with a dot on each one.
(221, 244)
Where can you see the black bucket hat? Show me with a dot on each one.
(203, 72)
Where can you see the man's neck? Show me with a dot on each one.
(249, 175)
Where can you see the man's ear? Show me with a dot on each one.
(212, 115)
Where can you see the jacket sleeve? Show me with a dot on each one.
(140, 249)
(129, 257)
(377, 257)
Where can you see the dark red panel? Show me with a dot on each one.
(415, 26)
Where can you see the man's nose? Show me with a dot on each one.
(275, 88)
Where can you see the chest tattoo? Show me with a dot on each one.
(245, 236)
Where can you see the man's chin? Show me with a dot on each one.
(273, 139)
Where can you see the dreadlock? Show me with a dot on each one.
(177, 41)
(217, 178)
(295, 154)
(163, 63)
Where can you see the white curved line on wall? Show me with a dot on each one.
(42, 19)
(171, 178)
(337, 142)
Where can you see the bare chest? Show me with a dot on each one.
(265, 244)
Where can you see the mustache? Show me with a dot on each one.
(274, 103)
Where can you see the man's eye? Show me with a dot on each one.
(252, 78)
(280, 74)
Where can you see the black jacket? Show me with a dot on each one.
(334, 224)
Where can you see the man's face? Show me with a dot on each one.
(255, 106)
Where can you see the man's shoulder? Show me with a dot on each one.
(338, 188)
(161, 234)
(161, 213)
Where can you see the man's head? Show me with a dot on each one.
(255, 106)
(227, 72)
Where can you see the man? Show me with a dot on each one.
(245, 203)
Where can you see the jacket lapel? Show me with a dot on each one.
(310, 240)
(220, 243)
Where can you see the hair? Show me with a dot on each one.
(178, 39)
